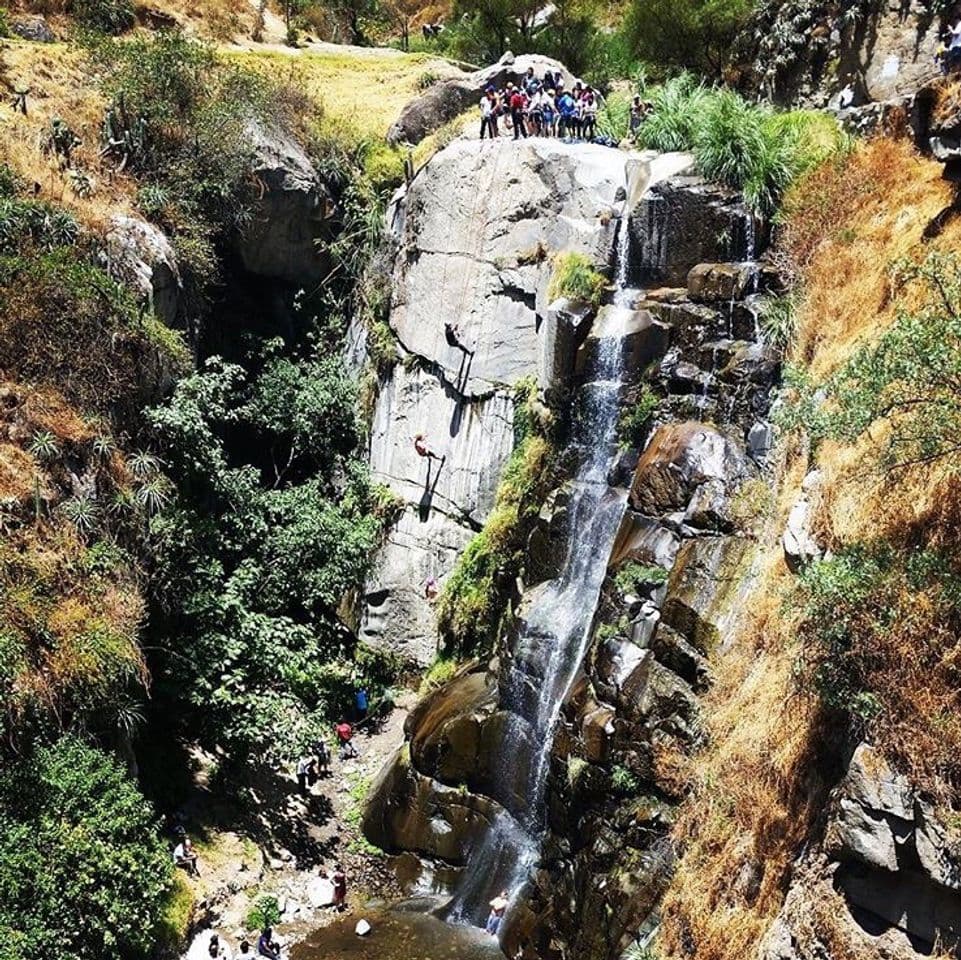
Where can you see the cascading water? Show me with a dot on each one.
(557, 625)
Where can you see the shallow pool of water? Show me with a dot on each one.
(404, 932)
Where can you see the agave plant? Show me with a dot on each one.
(82, 511)
(154, 494)
(44, 445)
(143, 464)
(122, 502)
(103, 446)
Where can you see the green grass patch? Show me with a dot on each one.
(634, 577)
(574, 277)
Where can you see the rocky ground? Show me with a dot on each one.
(277, 845)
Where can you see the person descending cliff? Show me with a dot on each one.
(424, 450)
(498, 908)
(453, 337)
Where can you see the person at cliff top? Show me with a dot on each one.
(488, 107)
(548, 113)
(530, 82)
(566, 111)
(589, 117)
(498, 907)
(345, 735)
(535, 112)
(518, 104)
(422, 448)
(266, 946)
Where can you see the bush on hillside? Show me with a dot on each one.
(877, 639)
(104, 16)
(685, 34)
(83, 871)
(263, 542)
(908, 377)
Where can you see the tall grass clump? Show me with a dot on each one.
(742, 145)
(574, 277)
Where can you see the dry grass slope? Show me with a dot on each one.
(757, 791)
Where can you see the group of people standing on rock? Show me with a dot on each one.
(541, 107)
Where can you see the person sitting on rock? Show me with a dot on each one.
(423, 449)
(185, 857)
(266, 947)
(498, 907)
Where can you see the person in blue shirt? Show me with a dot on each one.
(360, 702)
(567, 110)
(266, 946)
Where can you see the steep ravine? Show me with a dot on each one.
(690, 338)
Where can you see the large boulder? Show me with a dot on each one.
(291, 213)
(140, 256)
(32, 28)
(640, 338)
(449, 98)
(694, 468)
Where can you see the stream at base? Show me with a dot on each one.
(406, 931)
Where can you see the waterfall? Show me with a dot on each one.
(557, 624)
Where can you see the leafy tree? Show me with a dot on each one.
(358, 16)
(909, 377)
(499, 25)
(687, 34)
(106, 16)
(274, 524)
(83, 871)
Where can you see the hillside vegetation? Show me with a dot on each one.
(863, 644)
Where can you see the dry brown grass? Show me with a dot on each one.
(847, 224)
(758, 790)
(60, 85)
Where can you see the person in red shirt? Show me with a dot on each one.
(518, 104)
(345, 733)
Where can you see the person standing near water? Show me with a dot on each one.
(498, 908)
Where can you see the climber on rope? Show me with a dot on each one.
(452, 335)
(424, 451)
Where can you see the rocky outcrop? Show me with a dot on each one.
(449, 98)
(290, 215)
(676, 568)
(32, 28)
(139, 255)
(822, 55)
(475, 235)
(890, 864)
(685, 221)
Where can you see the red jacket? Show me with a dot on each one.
(517, 101)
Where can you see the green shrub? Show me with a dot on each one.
(685, 34)
(264, 913)
(739, 144)
(635, 419)
(623, 781)
(907, 377)
(778, 320)
(176, 916)
(614, 117)
(384, 167)
(104, 16)
(574, 277)
(83, 871)
(440, 672)
(634, 577)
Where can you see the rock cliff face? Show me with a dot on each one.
(679, 559)
(475, 235)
